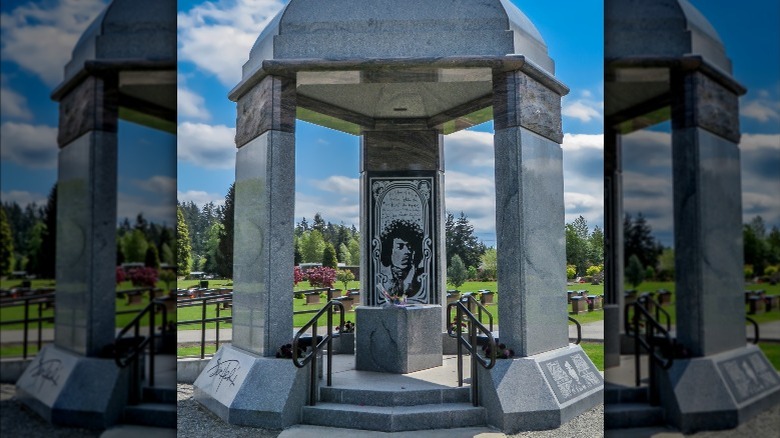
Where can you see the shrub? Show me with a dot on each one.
(321, 276)
(345, 276)
(571, 271)
(297, 275)
(591, 271)
(143, 277)
(120, 275)
(749, 271)
(770, 271)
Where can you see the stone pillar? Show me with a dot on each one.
(613, 246)
(235, 384)
(264, 216)
(529, 215)
(707, 215)
(402, 211)
(75, 381)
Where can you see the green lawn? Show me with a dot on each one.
(772, 352)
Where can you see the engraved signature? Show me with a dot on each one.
(225, 370)
(47, 370)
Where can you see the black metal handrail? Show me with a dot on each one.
(129, 355)
(43, 301)
(316, 346)
(755, 329)
(647, 300)
(471, 345)
(579, 330)
(642, 317)
(471, 301)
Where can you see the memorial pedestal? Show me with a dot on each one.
(398, 339)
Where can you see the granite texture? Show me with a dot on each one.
(403, 397)
(719, 391)
(91, 105)
(398, 339)
(404, 28)
(671, 28)
(519, 100)
(530, 238)
(263, 247)
(699, 101)
(86, 243)
(524, 394)
(394, 418)
(708, 238)
(270, 105)
(68, 389)
(402, 150)
(245, 389)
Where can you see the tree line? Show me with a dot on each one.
(29, 236)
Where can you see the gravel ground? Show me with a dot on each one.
(195, 422)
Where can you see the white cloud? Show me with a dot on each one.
(584, 109)
(190, 104)
(217, 36)
(756, 142)
(13, 104)
(210, 146)
(200, 197)
(32, 146)
(574, 142)
(333, 209)
(761, 106)
(23, 198)
(161, 210)
(41, 39)
(339, 184)
(469, 148)
(159, 184)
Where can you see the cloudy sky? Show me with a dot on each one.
(214, 41)
(755, 56)
(37, 41)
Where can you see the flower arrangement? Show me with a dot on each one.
(120, 275)
(286, 352)
(502, 352)
(349, 327)
(393, 299)
(454, 326)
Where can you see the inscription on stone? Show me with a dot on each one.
(748, 376)
(401, 231)
(46, 370)
(224, 371)
(570, 376)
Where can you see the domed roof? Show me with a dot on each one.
(382, 29)
(662, 28)
(127, 29)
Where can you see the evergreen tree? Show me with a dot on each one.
(489, 264)
(638, 240)
(6, 245)
(47, 258)
(212, 247)
(312, 246)
(577, 245)
(344, 256)
(134, 246)
(166, 255)
(152, 258)
(354, 251)
(297, 256)
(183, 248)
(460, 240)
(319, 223)
(224, 254)
(635, 273)
(456, 272)
(329, 259)
(596, 246)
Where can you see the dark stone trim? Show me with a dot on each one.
(92, 105)
(289, 67)
(461, 110)
(519, 100)
(700, 101)
(110, 67)
(149, 108)
(321, 107)
(401, 150)
(268, 106)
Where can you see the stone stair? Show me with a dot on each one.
(405, 409)
(629, 408)
(158, 403)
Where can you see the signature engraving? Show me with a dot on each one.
(225, 370)
(47, 370)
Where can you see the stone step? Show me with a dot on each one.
(401, 397)
(632, 415)
(625, 394)
(394, 418)
(157, 394)
(151, 414)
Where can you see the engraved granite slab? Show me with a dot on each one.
(748, 376)
(571, 375)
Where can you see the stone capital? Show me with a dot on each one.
(269, 105)
(519, 100)
(90, 106)
(700, 101)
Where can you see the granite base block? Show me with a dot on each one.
(720, 391)
(249, 390)
(540, 392)
(68, 389)
(398, 339)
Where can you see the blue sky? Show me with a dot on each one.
(751, 36)
(37, 40)
(214, 41)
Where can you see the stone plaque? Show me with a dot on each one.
(748, 376)
(47, 373)
(401, 237)
(571, 375)
(224, 374)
